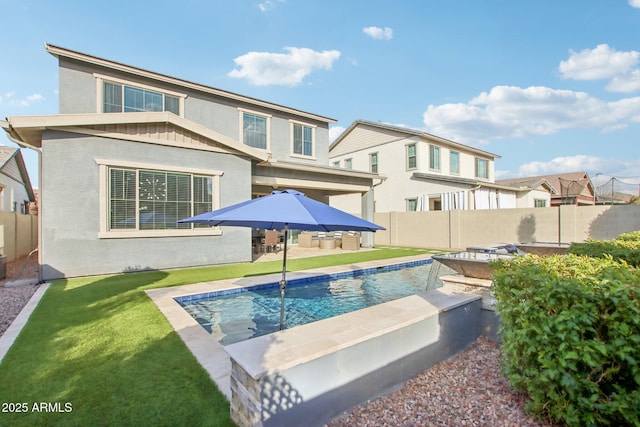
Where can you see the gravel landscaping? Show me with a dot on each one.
(466, 390)
(14, 298)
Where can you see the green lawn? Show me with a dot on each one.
(99, 352)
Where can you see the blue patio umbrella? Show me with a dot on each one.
(284, 210)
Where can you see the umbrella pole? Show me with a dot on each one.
(283, 282)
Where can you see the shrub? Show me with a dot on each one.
(625, 247)
(629, 236)
(571, 336)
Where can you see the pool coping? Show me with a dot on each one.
(207, 350)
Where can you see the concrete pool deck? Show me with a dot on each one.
(290, 347)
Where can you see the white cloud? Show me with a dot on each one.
(565, 164)
(9, 98)
(514, 112)
(599, 168)
(268, 4)
(634, 3)
(599, 63)
(378, 33)
(603, 62)
(335, 132)
(626, 83)
(283, 69)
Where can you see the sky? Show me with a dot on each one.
(550, 86)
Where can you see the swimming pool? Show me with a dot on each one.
(240, 314)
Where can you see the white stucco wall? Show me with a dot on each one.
(400, 185)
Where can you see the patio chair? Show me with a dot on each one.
(271, 240)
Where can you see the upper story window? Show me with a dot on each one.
(434, 157)
(482, 168)
(412, 205)
(454, 162)
(119, 98)
(348, 163)
(255, 130)
(303, 139)
(373, 162)
(336, 164)
(540, 203)
(412, 158)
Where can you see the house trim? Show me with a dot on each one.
(28, 129)
(101, 78)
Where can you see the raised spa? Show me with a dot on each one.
(471, 263)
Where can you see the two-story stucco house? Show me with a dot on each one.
(132, 151)
(424, 172)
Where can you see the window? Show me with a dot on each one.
(336, 164)
(255, 130)
(454, 162)
(411, 156)
(302, 140)
(118, 98)
(434, 157)
(348, 163)
(540, 203)
(373, 162)
(482, 168)
(412, 205)
(155, 200)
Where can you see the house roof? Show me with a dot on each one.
(469, 181)
(172, 130)
(58, 52)
(27, 130)
(528, 184)
(7, 154)
(554, 180)
(409, 132)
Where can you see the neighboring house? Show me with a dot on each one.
(574, 188)
(16, 193)
(422, 172)
(132, 151)
(531, 192)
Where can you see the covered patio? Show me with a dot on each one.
(319, 183)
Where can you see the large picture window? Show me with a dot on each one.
(302, 140)
(155, 200)
(119, 98)
(254, 130)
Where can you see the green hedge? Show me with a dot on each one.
(571, 336)
(625, 247)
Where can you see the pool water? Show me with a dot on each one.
(252, 312)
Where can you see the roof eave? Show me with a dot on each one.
(321, 169)
(28, 129)
(58, 52)
(413, 132)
